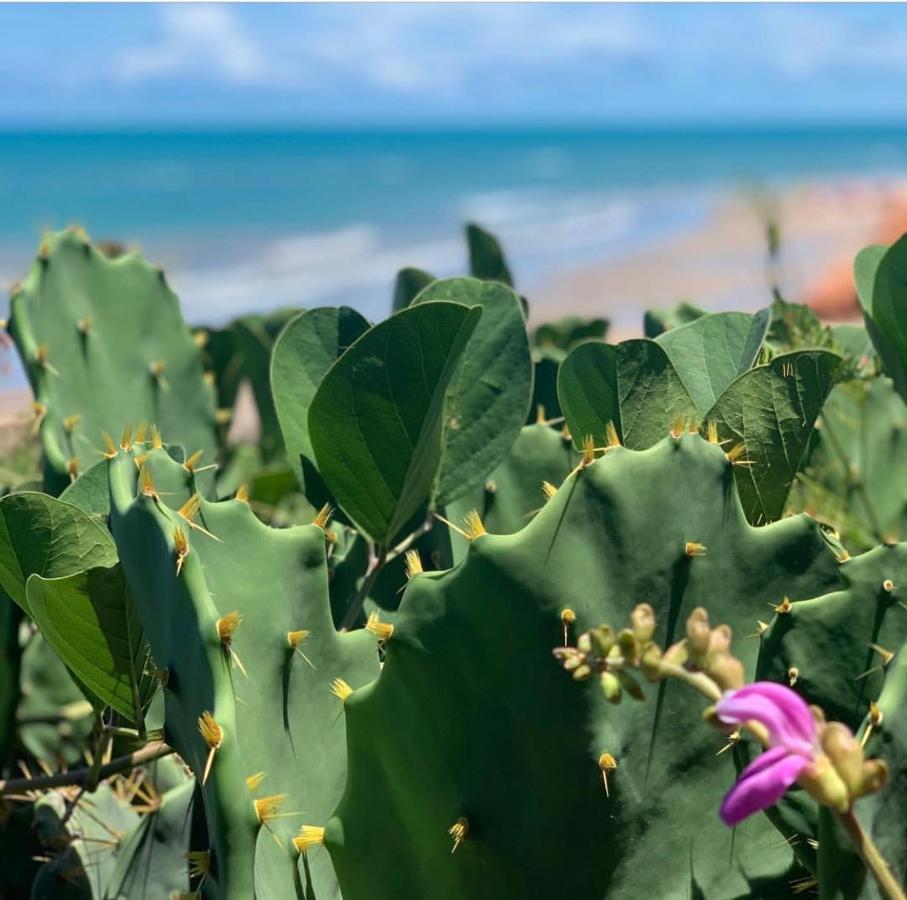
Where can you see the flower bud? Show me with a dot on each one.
(603, 639)
(611, 687)
(875, 777)
(698, 632)
(845, 753)
(720, 639)
(677, 654)
(642, 620)
(727, 671)
(821, 780)
(581, 673)
(629, 646)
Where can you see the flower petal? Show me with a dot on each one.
(762, 783)
(783, 712)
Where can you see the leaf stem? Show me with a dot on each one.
(375, 565)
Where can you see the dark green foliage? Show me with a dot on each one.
(410, 282)
(486, 258)
(488, 399)
(767, 413)
(376, 422)
(241, 352)
(881, 278)
(564, 333)
(658, 321)
(710, 352)
(302, 356)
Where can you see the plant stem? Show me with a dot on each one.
(376, 564)
(80, 776)
(870, 854)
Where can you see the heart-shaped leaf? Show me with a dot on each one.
(631, 385)
(44, 536)
(375, 422)
(488, 399)
(772, 410)
(309, 345)
(711, 351)
(88, 618)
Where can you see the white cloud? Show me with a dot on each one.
(414, 49)
(196, 39)
(810, 44)
(424, 49)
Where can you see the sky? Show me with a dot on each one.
(440, 64)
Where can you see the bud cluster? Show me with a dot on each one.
(602, 651)
(611, 655)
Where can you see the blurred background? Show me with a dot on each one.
(627, 156)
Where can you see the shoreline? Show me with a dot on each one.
(723, 263)
(716, 259)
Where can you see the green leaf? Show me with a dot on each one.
(408, 285)
(771, 410)
(486, 258)
(587, 390)
(880, 274)
(309, 345)
(711, 351)
(376, 419)
(652, 396)
(44, 536)
(632, 384)
(89, 620)
(488, 399)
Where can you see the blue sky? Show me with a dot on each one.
(422, 64)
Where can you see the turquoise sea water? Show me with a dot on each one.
(259, 219)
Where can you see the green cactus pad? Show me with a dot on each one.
(102, 341)
(472, 718)
(280, 718)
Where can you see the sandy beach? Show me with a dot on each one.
(723, 264)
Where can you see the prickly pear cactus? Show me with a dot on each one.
(238, 620)
(103, 343)
(539, 460)
(473, 741)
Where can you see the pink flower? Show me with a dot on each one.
(792, 740)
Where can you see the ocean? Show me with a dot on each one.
(256, 220)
